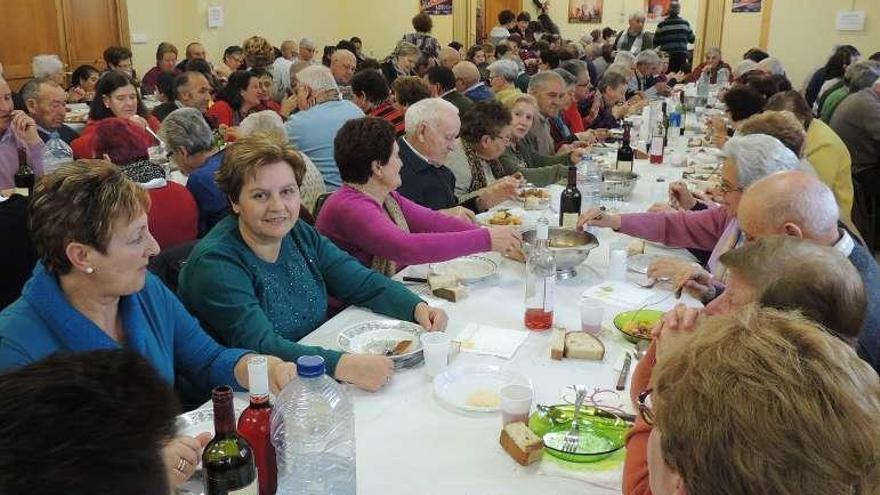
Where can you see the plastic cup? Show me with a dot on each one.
(592, 312)
(617, 262)
(516, 402)
(435, 347)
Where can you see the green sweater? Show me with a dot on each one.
(250, 303)
(538, 169)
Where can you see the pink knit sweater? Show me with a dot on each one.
(358, 224)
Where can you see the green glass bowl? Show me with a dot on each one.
(601, 430)
(649, 316)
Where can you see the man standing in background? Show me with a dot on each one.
(672, 36)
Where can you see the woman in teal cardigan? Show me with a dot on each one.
(261, 280)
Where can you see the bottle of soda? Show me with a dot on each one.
(540, 281)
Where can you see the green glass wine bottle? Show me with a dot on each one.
(228, 459)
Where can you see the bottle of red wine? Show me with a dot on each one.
(625, 152)
(228, 459)
(24, 177)
(255, 424)
(570, 202)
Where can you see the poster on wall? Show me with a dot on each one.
(436, 7)
(585, 11)
(746, 5)
(657, 10)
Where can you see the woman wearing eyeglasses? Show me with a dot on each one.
(715, 229)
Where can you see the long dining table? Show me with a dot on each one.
(408, 441)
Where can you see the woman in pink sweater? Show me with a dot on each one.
(381, 228)
(715, 229)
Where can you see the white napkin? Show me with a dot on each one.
(620, 294)
(493, 341)
(606, 474)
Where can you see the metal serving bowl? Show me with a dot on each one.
(618, 185)
(570, 248)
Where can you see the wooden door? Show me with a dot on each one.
(30, 28)
(91, 26)
(494, 7)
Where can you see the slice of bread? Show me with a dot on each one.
(582, 345)
(451, 294)
(442, 281)
(521, 443)
(557, 343)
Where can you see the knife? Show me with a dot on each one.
(624, 372)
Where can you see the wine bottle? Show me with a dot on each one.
(665, 125)
(570, 201)
(625, 152)
(540, 281)
(24, 178)
(255, 424)
(683, 112)
(228, 459)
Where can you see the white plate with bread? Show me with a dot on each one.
(475, 387)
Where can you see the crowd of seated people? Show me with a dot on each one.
(306, 183)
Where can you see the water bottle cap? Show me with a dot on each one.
(310, 366)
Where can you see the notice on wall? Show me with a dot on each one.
(436, 7)
(851, 20)
(215, 17)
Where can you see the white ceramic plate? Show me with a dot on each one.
(483, 218)
(468, 269)
(475, 388)
(380, 336)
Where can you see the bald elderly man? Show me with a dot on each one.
(797, 204)
(468, 83)
(449, 57)
(342, 65)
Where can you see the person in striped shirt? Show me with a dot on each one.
(672, 36)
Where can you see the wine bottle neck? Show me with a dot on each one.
(259, 401)
(224, 415)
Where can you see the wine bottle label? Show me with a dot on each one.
(252, 489)
(624, 166)
(549, 287)
(657, 146)
(569, 220)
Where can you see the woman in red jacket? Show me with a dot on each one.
(173, 215)
(115, 96)
(241, 96)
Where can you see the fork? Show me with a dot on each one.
(572, 439)
(649, 303)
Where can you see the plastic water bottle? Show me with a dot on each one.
(57, 152)
(703, 86)
(313, 434)
(589, 183)
(723, 77)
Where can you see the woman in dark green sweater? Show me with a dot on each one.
(262, 279)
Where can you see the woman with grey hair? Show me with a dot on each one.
(269, 121)
(49, 66)
(502, 80)
(401, 62)
(715, 229)
(193, 150)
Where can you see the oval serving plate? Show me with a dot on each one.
(467, 269)
(379, 337)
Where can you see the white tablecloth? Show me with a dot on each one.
(408, 442)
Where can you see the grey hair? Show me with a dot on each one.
(575, 67)
(505, 68)
(541, 78)
(265, 121)
(757, 156)
(772, 65)
(862, 75)
(513, 57)
(306, 43)
(342, 52)
(31, 89)
(625, 58)
(406, 49)
(46, 65)
(639, 14)
(620, 69)
(714, 50)
(566, 76)
(428, 111)
(743, 67)
(186, 128)
(647, 57)
(318, 78)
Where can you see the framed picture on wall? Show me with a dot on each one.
(436, 7)
(746, 5)
(657, 10)
(585, 11)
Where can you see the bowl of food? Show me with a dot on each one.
(570, 248)
(504, 216)
(636, 325)
(534, 198)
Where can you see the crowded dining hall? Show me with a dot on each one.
(440, 246)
